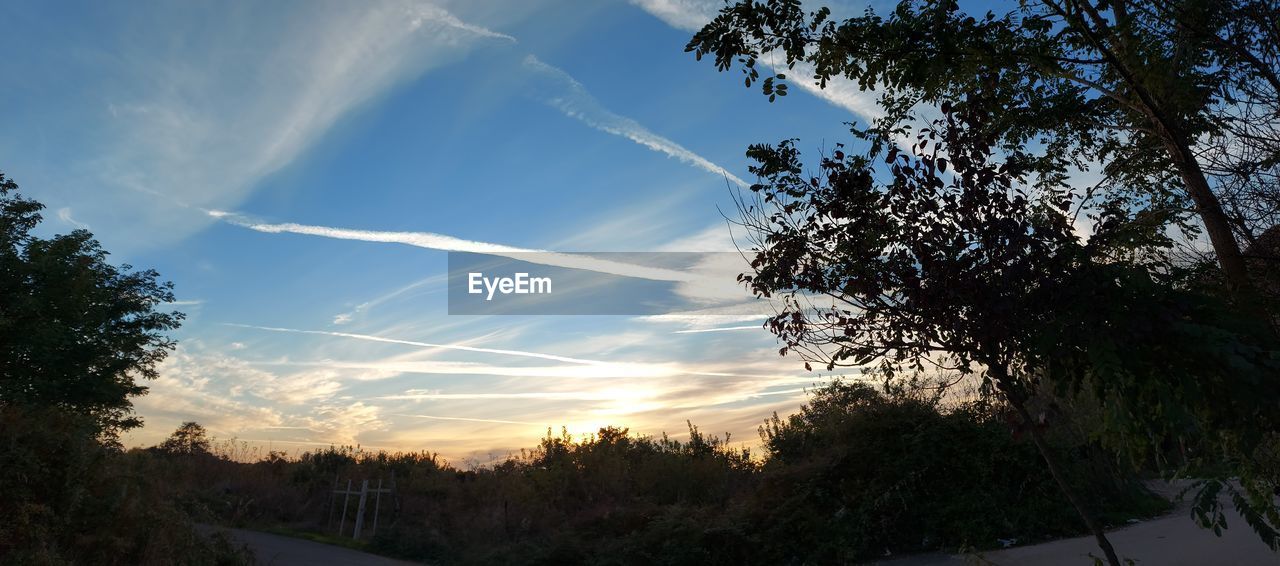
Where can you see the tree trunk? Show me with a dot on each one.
(1215, 220)
(1018, 400)
(1176, 141)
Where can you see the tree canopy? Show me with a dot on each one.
(76, 333)
(963, 260)
(980, 243)
(189, 438)
(1164, 98)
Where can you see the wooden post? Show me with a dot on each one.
(342, 525)
(364, 493)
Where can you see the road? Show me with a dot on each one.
(1170, 540)
(276, 550)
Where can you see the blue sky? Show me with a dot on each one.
(247, 151)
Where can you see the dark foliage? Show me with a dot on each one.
(856, 473)
(1164, 98)
(67, 499)
(75, 331)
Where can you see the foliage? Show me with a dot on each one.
(855, 473)
(75, 331)
(70, 500)
(1168, 98)
(963, 257)
(876, 472)
(189, 438)
(75, 335)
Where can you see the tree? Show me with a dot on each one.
(1169, 97)
(76, 333)
(959, 259)
(190, 438)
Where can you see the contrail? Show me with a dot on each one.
(470, 420)
(442, 242)
(724, 329)
(623, 369)
(575, 102)
(370, 338)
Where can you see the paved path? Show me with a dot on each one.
(277, 550)
(1170, 540)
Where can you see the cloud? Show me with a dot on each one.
(691, 15)
(722, 329)
(427, 15)
(709, 281)
(441, 242)
(687, 15)
(348, 316)
(64, 214)
(232, 397)
(467, 419)
(616, 398)
(204, 126)
(570, 97)
(581, 368)
(371, 338)
(342, 423)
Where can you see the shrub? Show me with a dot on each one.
(78, 501)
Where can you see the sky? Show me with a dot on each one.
(299, 171)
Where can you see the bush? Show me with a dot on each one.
(80, 502)
(857, 473)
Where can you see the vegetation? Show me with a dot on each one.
(75, 334)
(1165, 99)
(70, 499)
(958, 243)
(855, 474)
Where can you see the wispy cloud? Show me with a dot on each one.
(348, 316)
(470, 420)
(586, 368)
(212, 123)
(691, 15)
(427, 15)
(441, 242)
(722, 329)
(371, 338)
(572, 98)
(687, 15)
(64, 214)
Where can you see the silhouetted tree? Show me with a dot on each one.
(1170, 97)
(960, 259)
(190, 438)
(75, 331)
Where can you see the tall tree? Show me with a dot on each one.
(1153, 91)
(76, 333)
(958, 256)
(189, 439)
